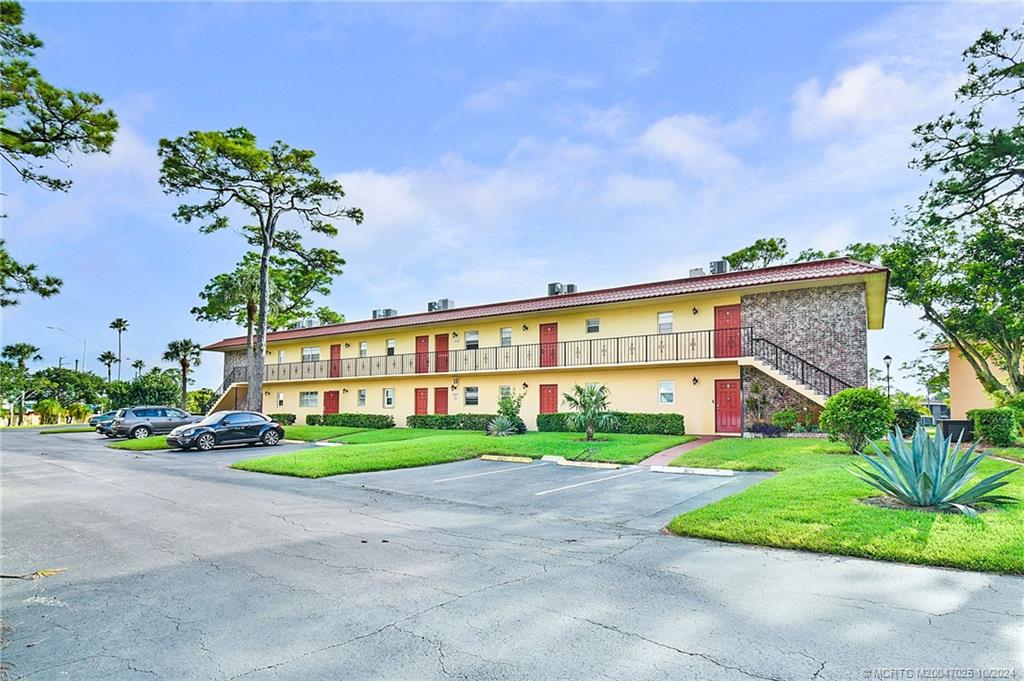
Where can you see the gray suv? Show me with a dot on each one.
(143, 421)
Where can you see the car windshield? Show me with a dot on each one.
(120, 413)
(213, 418)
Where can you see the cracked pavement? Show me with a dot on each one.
(181, 568)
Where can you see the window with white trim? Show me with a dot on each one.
(391, 347)
(472, 396)
(472, 340)
(311, 354)
(664, 322)
(280, 356)
(666, 392)
(389, 398)
(280, 399)
(308, 399)
(506, 336)
(361, 397)
(593, 325)
(364, 348)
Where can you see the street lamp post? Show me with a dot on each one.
(84, 345)
(888, 361)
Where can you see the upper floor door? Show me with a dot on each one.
(441, 352)
(727, 331)
(335, 371)
(549, 345)
(422, 354)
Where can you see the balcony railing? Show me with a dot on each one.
(666, 347)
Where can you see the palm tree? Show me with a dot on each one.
(21, 354)
(138, 365)
(107, 359)
(187, 353)
(590, 409)
(120, 325)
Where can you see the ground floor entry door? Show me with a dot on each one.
(440, 400)
(549, 399)
(330, 401)
(421, 400)
(727, 406)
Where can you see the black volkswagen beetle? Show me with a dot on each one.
(227, 428)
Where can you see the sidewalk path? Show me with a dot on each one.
(665, 457)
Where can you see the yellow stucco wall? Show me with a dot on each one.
(965, 392)
(632, 389)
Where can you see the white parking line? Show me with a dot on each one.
(520, 467)
(588, 482)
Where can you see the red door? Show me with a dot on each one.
(441, 353)
(549, 399)
(330, 401)
(335, 371)
(422, 354)
(421, 400)
(440, 400)
(727, 331)
(727, 406)
(549, 346)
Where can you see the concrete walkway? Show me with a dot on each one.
(665, 457)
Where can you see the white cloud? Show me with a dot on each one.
(697, 144)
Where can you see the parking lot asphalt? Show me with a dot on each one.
(178, 567)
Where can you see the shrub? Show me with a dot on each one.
(351, 420)
(995, 426)
(49, 410)
(629, 423)
(906, 418)
(450, 421)
(856, 415)
(314, 419)
(589, 407)
(765, 429)
(930, 473)
(502, 426)
(510, 406)
(785, 419)
(1014, 402)
(283, 419)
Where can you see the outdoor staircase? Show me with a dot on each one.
(234, 377)
(793, 371)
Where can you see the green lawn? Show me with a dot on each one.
(396, 434)
(145, 444)
(1015, 452)
(403, 450)
(69, 429)
(315, 433)
(813, 504)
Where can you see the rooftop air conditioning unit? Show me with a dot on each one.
(719, 266)
(384, 313)
(439, 305)
(697, 272)
(307, 323)
(555, 288)
(570, 288)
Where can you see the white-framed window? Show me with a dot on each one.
(280, 356)
(391, 347)
(389, 398)
(280, 399)
(308, 399)
(361, 397)
(506, 336)
(666, 392)
(593, 325)
(311, 354)
(505, 391)
(364, 348)
(664, 322)
(472, 340)
(472, 396)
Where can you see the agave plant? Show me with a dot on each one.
(931, 472)
(502, 426)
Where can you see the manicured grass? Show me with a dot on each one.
(396, 434)
(69, 429)
(145, 444)
(813, 503)
(448, 446)
(1016, 452)
(315, 433)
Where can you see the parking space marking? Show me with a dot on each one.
(588, 482)
(503, 470)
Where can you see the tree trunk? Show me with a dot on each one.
(21, 416)
(590, 433)
(184, 386)
(119, 355)
(108, 373)
(250, 358)
(255, 396)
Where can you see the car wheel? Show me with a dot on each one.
(110, 435)
(206, 442)
(271, 438)
(141, 432)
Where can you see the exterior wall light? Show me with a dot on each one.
(525, 327)
(455, 334)
(696, 380)
(525, 386)
(344, 390)
(695, 310)
(347, 345)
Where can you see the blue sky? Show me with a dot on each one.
(494, 148)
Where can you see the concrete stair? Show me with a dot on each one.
(785, 379)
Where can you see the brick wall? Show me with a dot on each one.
(232, 359)
(776, 397)
(827, 326)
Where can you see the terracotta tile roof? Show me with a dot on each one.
(779, 274)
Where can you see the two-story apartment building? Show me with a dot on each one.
(692, 346)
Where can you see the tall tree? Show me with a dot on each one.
(187, 354)
(232, 172)
(67, 386)
(960, 254)
(21, 354)
(138, 365)
(761, 253)
(39, 122)
(120, 325)
(107, 359)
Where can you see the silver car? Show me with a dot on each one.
(143, 421)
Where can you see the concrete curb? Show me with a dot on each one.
(562, 461)
(686, 470)
(507, 459)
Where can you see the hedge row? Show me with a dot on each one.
(352, 420)
(633, 424)
(450, 421)
(283, 419)
(995, 426)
